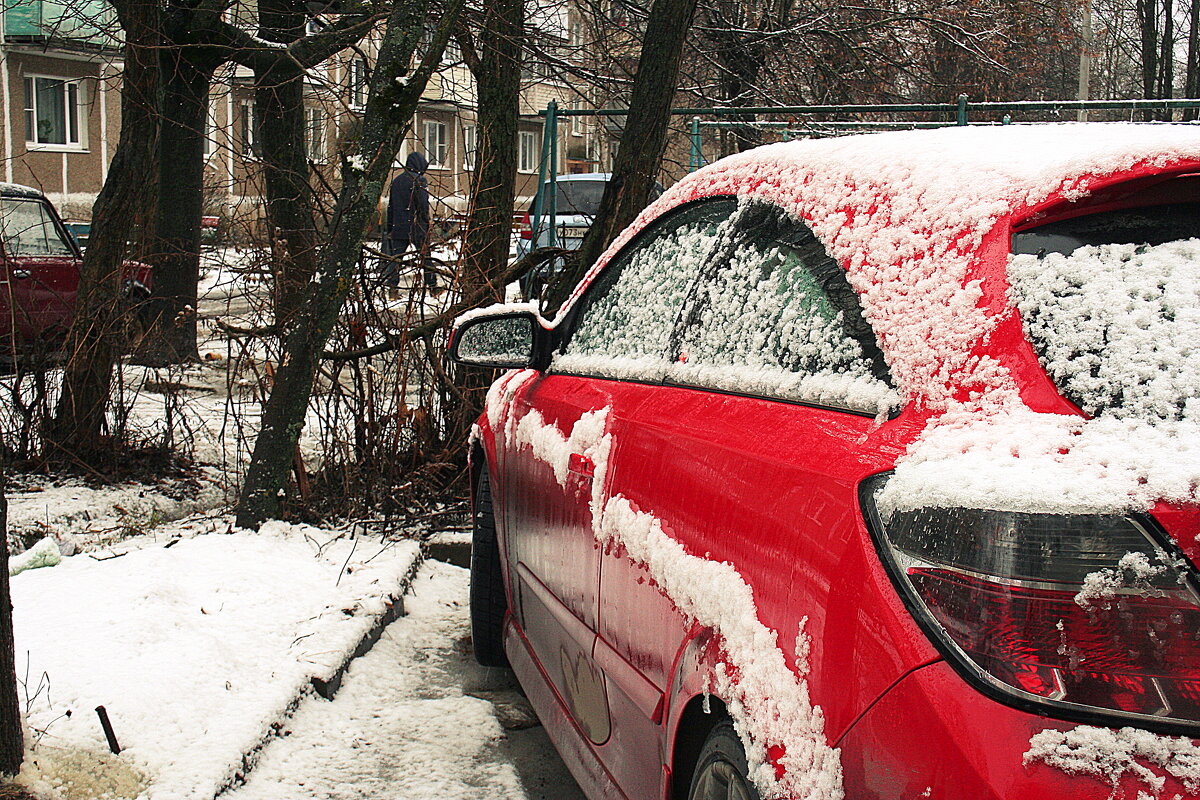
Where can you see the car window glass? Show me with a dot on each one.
(774, 315)
(29, 230)
(625, 320)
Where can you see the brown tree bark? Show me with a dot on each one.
(187, 71)
(642, 142)
(1192, 72)
(97, 335)
(12, 745)
(388, 113)
(494, 58)
(279, 100)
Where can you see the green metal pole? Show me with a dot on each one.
(552, 127)
(697, 152)
(962, 109)
(539, 197)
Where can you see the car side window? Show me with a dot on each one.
(774, 315)
(624, 322)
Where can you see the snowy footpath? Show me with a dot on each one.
(416, 719)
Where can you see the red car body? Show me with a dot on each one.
(611, 628)
(39, 271)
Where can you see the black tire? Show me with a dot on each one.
(721, 771)
(489, 603)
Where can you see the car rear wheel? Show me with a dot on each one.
(488, 600)
(721, 770)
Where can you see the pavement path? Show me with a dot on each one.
(416, 719)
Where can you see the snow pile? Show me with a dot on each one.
(769, 702)
(43, 554)
(1113, 754)
(195, 649)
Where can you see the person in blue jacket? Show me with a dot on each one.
(408, 217)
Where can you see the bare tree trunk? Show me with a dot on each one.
(279, 99)
(12, 745)
(98, 331)
(496, 64)
(642, 142)
(389, 110)
(1166, 57)
(1147, 15)
(187, 71)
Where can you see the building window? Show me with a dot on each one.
(249, 130)
(358, 83)
(315, 133)
(210, 130)
(527, 153)
(53, 111)
(577, 122)
(470, 145)
(434, 142)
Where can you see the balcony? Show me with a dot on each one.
(88, 24)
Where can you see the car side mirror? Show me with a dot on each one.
(502, 340)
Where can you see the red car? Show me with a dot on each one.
(39, 272)
(863, 468)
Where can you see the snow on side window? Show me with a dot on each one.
(1117, 325)
(628, 314)
(775, 315)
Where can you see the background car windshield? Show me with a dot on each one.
(29, 230)
(1111, 303)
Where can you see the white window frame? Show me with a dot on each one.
(75, 115)
(528, 153)
(357, 76)
(248, 146)
(314, 133)
(470, 146)
(433, 139)
(210, 129)
(577, 122)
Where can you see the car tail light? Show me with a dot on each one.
(1084, 616)
(526, 229)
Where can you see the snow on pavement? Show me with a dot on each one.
(196, 648)
(402, 726)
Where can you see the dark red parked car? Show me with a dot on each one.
(863, 468)
(39, 272)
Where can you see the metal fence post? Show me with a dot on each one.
(552, 130)
(539, 196)
(697, 151)
(962, 109)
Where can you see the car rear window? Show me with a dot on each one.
(1111, 304)
(28, 229)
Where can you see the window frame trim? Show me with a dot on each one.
(81, 127)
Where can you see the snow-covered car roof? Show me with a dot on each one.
(18, 190)
(906, 213)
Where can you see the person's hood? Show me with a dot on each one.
(416, 163)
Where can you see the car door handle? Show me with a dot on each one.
(581, 465)
(21, 273)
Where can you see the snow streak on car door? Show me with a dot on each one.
(744, 458)
(616, 341)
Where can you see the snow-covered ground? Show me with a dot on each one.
(202, 642)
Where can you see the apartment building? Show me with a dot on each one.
(60, 66)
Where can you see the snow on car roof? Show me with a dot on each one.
(905, 212)
(17, 190)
